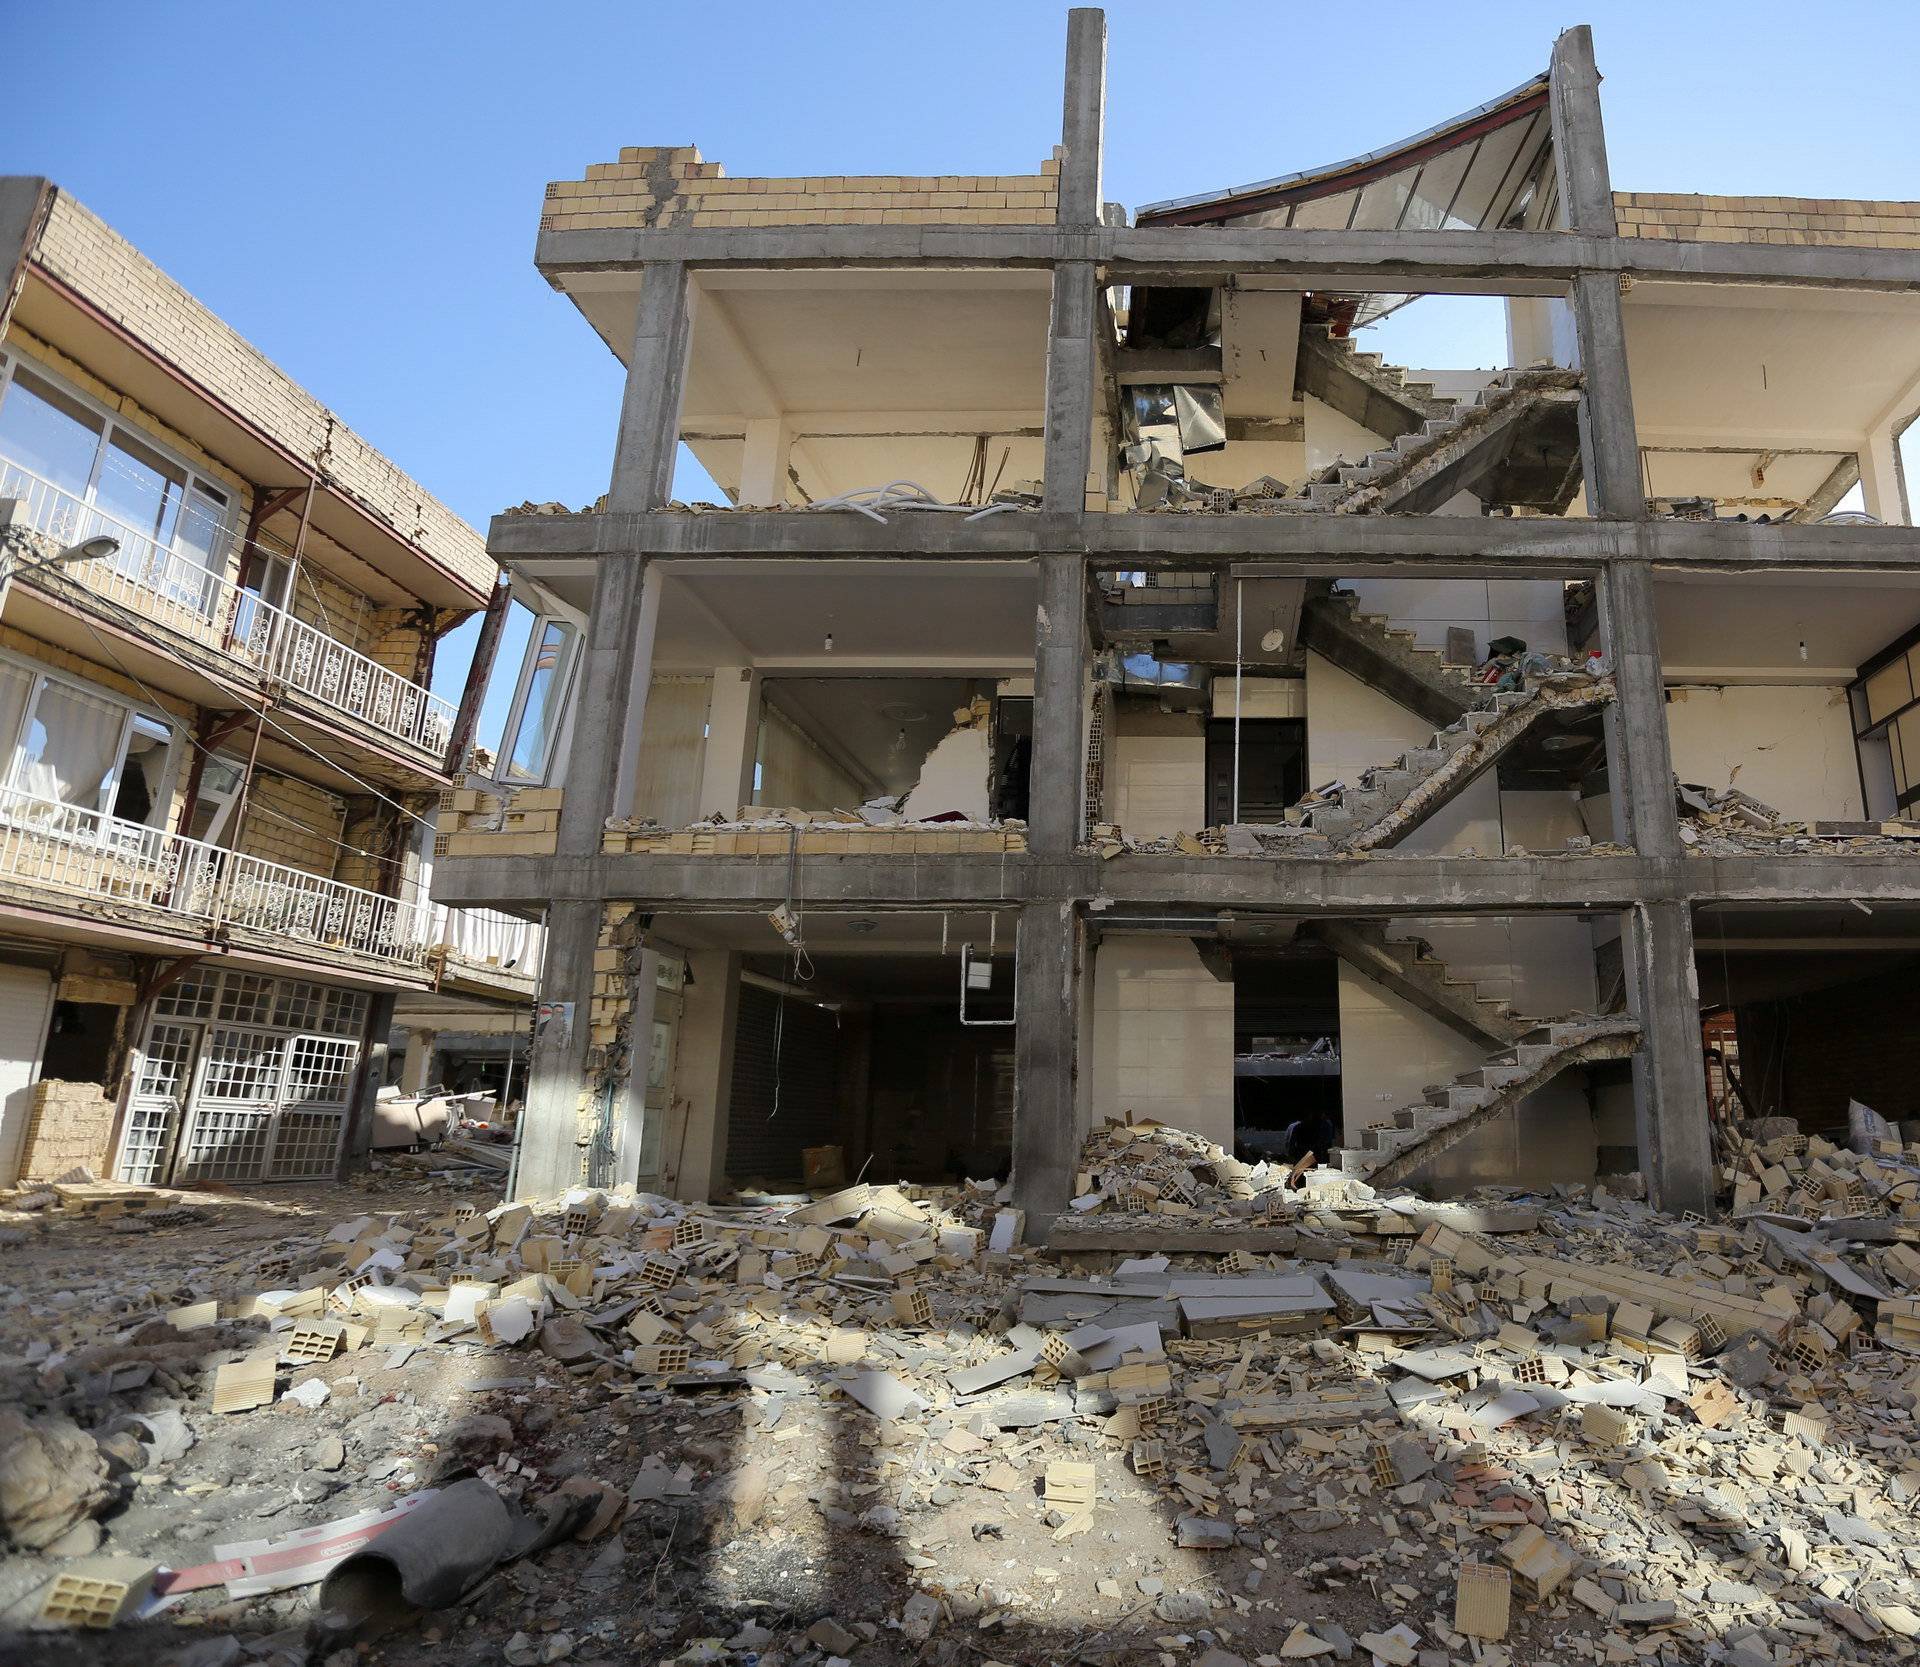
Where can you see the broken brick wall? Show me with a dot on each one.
(1805, 1056)
(68, 1123)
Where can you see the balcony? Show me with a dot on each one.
(140, 876)
(487, 950)
(170, 589)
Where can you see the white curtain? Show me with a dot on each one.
(14, 685)
(71, 746)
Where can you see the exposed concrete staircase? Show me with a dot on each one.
(1391, 800)
(1419, 1133)
(1362, 386)
(1387, 658)
(1534, 413)
(1408, 967)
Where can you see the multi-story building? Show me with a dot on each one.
(1225, 726)
(220, 757)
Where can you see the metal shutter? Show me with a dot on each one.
(809, 1086)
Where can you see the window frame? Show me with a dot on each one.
(523, 688)
(199, 483)
(11, 746)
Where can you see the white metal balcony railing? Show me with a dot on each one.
(174, 590)
(90, 855)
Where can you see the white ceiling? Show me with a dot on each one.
(1749, 628)
(1730, 364)
(973, 618)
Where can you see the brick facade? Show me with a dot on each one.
(68, 1123)
(88, 257)
(652, 186)
(1836, 222)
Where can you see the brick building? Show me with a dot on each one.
(220, 758)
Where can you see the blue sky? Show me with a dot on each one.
(356, 187)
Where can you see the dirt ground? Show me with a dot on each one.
(780, 1508)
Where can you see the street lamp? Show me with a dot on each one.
(97, 548)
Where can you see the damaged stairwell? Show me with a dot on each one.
(1460, 452)
(1386, 657)
(1382, 398)
(1408, 967)
(1419, 1133)
(1392, 800)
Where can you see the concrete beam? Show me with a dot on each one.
(1431, 546)
(1296, 886)
(1045, 1125)
(649, 439)
(1465, 262)
(1293, 886)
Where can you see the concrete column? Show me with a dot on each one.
(1045, 1117)
(636, 1147)
(1883, 485)
(1071, 364)
(1579, 137)
(1669, 1082)
(1639, 759)
(1083, 117)
(1669, 1076)
(549, 1137)
(1609, 447)
(696, 1162)
(763, 461)
(357, 1141)
(417, 1074)
(649, 439)
(1057, 789)
(733, 734)
(610, 695)
(1609, 442)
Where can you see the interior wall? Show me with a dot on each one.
(1533, 610)
(1789, 746)
(796, 774)
(1156, 771)
(672, 750)
(1162, 1043)
(1806, 1056)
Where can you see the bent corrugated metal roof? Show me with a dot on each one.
(1489, 168)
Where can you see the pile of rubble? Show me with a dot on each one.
(878, 1428)
(1724, 822)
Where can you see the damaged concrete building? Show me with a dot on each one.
(220, 756)
(1111, 690)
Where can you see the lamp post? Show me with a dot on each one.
(88, 549)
